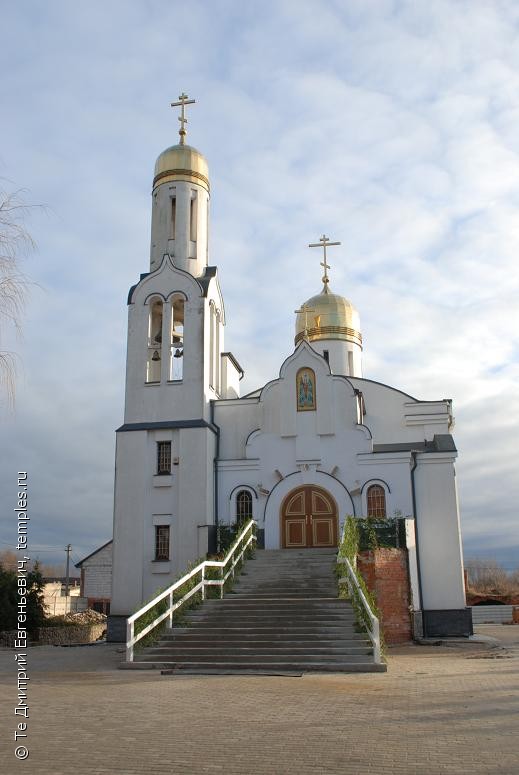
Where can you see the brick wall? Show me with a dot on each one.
(385, 573)
(96, 574)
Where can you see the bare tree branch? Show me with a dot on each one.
(15, 243)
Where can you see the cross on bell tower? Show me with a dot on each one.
(324, 243)
(183, 101)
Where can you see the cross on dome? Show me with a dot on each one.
(183, 101)
(304, 311)
(324, 243)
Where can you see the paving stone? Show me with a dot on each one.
(437, 710)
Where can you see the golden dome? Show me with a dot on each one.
(331, 317)
(181, 162)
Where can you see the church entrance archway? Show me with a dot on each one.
(308, 519)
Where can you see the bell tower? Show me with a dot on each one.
(180, 211)
(164, 501)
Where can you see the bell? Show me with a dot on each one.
(178, 354)
(155, 356)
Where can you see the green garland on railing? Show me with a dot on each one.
(349, 548)
(211, 592)
(147, 618)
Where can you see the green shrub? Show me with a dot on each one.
(349, 549)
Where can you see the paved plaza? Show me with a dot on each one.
(437, 710)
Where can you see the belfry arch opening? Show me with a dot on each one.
(308, 519)
(176, 354)
(154, 359)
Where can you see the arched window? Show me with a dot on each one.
(176, 358)
(376, 498)
(154, 341)
(243, 506)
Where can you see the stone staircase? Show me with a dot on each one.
(283, 615)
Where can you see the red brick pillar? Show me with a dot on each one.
(386, 575)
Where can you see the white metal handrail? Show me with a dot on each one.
(132, 638)
(354, 589)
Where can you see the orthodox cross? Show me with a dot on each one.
(324, 243)
(304, 311)
(183, 101)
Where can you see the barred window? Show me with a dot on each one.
(163, 457)
(376, 498)
(162, 542)
(243, 506)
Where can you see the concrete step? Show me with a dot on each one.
(283, 615)
(211, 630)
(257, 648)
(266, 640)
(257, 668)
(252, 659)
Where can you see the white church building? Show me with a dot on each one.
(316, 443)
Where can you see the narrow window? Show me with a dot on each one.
(192, 217)
(161, 542)
(163, 457)
(217, 353)
(243, 506)
(173, 216)
(211, 344)
(176, 365)
(326, 356)
(350, 363)
(154, 342)
(376, 497)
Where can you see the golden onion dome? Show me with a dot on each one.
(328, 316)
(181, 162)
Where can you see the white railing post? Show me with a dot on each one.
(203, 582)
(129, 641)
(376, 641)
(170, 617)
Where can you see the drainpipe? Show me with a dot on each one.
(215, 471)
(413, 494)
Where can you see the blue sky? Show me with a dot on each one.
(390, 126)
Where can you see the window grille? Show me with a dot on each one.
(243, 506)
(163, 457)
(162, 542)
(376, 502)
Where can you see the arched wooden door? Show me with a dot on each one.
(308, 519)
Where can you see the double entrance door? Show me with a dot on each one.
(308, 519)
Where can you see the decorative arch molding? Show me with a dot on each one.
(375, 481)
(177, 293)
(157, 295)
(365, 430)
(338, 491)
(243, 487)
(252, 435)
(152, 297)
(149, 279)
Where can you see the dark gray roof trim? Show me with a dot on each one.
(235, 363)
(205, 279)
(155, 426)
(80, 563)
(130, 292)
(442, 442)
